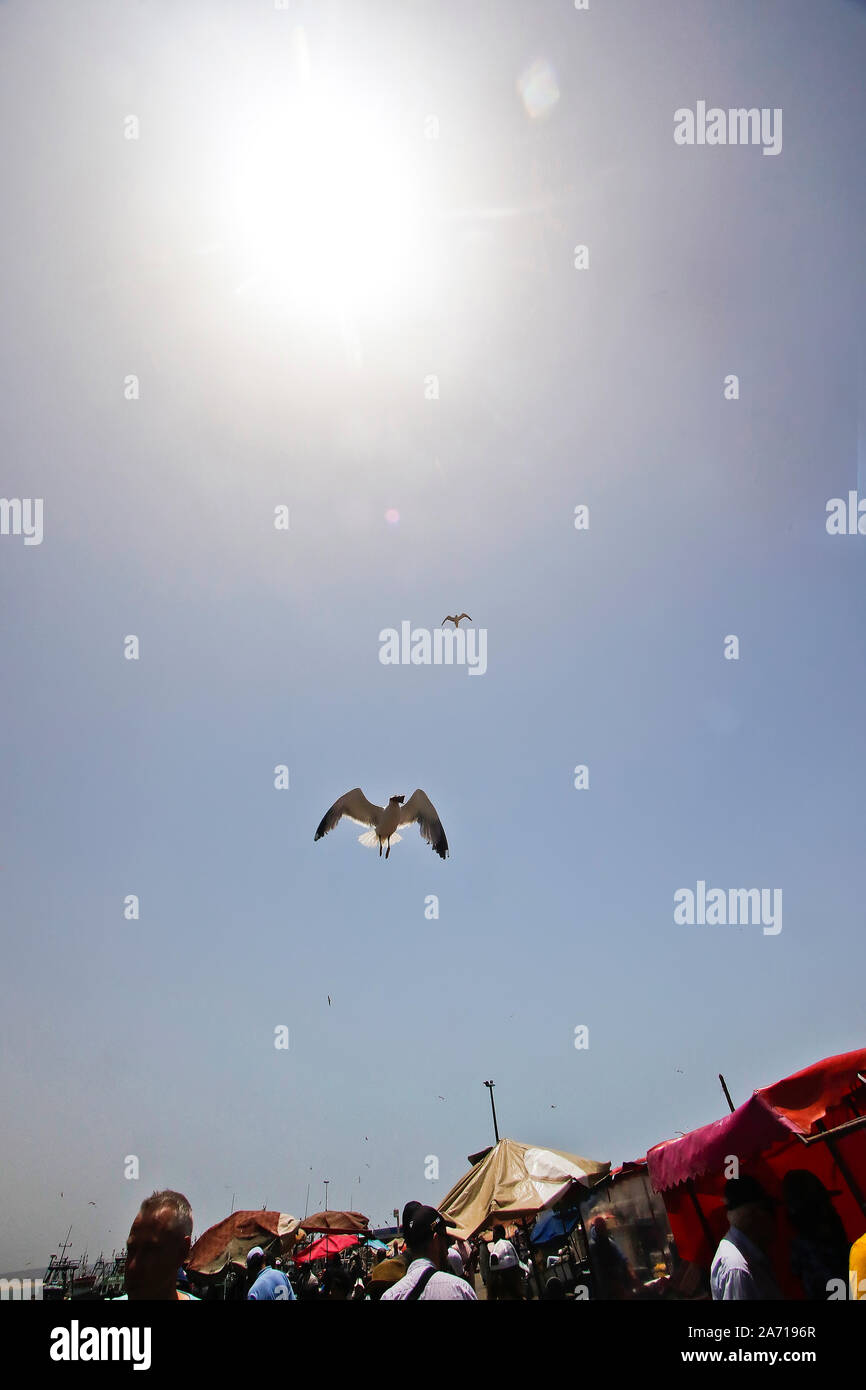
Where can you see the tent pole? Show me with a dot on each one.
(844, 1170)
(533, 1263)
(731, 1105)
(705, 1225)
(585, 1260)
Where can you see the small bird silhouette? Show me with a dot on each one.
(440, 1097)
(453, 618)
(91, 1204)
(553, 1107)
(329, 1001)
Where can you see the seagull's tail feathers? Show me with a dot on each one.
(371, 840)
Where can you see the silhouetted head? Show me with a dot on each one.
(158, 1244)
(399, 799)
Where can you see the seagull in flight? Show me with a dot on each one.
(385, 820)
(454, 619)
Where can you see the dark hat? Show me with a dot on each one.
(423, 1223)
(740, 1191)
(408, 1212)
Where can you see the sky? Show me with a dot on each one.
(323, 258)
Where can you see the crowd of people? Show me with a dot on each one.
(429, 1263)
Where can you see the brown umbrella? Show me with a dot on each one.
(338, 1223)
(229, 1241)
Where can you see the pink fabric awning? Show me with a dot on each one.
(772, 1114)
(750, 1129)
(328, 1245)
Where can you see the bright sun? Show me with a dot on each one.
(325, 208)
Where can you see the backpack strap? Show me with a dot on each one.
(422, 1284)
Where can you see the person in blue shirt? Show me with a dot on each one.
(266, 1282)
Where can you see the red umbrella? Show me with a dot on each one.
(328, 1245)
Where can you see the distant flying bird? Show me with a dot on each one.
(440, 1097)
(553, 1107)
(454, 619)
(329, 1001)
(386, 820)
(91, 1204)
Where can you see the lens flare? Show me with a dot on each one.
(538, 88)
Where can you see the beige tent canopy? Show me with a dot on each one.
(515, 1180)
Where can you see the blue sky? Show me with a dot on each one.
(258, 647)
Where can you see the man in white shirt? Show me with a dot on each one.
(741, 1266)
(426, 1235)
(506, 1274)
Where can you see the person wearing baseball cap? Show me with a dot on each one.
(427, 1241)
(266, 1283)
(389, 1272)
(741, 1267)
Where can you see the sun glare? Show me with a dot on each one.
(326, 209)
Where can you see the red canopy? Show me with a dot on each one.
(328, 1245)
(749, 1130)
(794, 1105)
(766, 1135)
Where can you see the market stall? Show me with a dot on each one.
(814, 1120)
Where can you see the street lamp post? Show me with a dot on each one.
(327, 1180)
(490, 1085)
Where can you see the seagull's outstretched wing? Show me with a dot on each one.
(420, 808)
(447, 619)
(354, 805)
(464, 615)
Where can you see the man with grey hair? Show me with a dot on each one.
(158, 1245)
